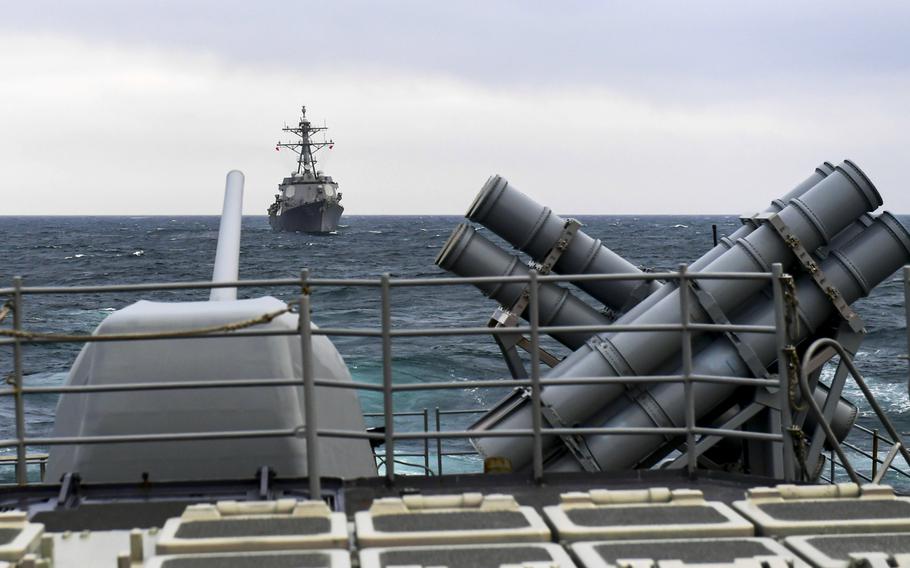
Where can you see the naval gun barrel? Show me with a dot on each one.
(813, 218)
(227, 253)
(854, 271)
(535, 230)
(468, 253)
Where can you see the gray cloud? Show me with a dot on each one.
(717, 44)
(618, 108)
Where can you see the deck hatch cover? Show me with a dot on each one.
(680, 515)
(234, 528)
(303, 560)
(479, 557)
(843, 510)
(689, 551)
(842, 545)
(451, 521)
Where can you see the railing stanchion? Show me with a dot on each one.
(874, 453)
(309, 390)
(907, 310)
(537, 412)
(21, 458)
(438, 443)
(783, 342)
(387, 389)
(686, 335)
(426, 441)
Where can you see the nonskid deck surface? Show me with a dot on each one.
(125, 506)
(659, 516)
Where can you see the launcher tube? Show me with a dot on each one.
(815, 218)
(854, 270)
(467, 253)
(535, 230)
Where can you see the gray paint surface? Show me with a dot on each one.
(816, 217)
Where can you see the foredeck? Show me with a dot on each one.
(96, 523)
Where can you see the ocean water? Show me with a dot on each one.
(102, 250)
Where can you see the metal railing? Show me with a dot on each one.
(906, 274)
(878, 466)
(387, 333)
(836, 446)
(36, 459)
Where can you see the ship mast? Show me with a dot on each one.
(306, 147)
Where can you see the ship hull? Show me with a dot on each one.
(308, 218)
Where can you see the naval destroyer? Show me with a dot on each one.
(307, 201)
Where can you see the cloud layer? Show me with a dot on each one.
(148, 119)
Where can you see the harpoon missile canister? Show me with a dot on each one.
(468, 253)
(814, 219)
(726, 243)
(853, 270)
(535, 229)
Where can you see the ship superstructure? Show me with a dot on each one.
(307, 201)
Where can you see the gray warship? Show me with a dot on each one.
(307, 201)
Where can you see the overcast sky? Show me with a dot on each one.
(591, 107)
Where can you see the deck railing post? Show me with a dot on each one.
(309, 390)
(685, 293)
(387, 389)
(438, 443)
(537, 412)
(907, 309)
(874, 453)
(21, 458)
(783, 369)
(426, 441)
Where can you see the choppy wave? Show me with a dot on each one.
(103, 250)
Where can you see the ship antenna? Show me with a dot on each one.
(306, 147)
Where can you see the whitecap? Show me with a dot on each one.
(333, 232)
(139, 252)
(375, 232)
(108, 309)
(680, 226)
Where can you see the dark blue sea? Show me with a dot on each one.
(102, 250)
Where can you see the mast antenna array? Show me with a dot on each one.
(306, 146)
